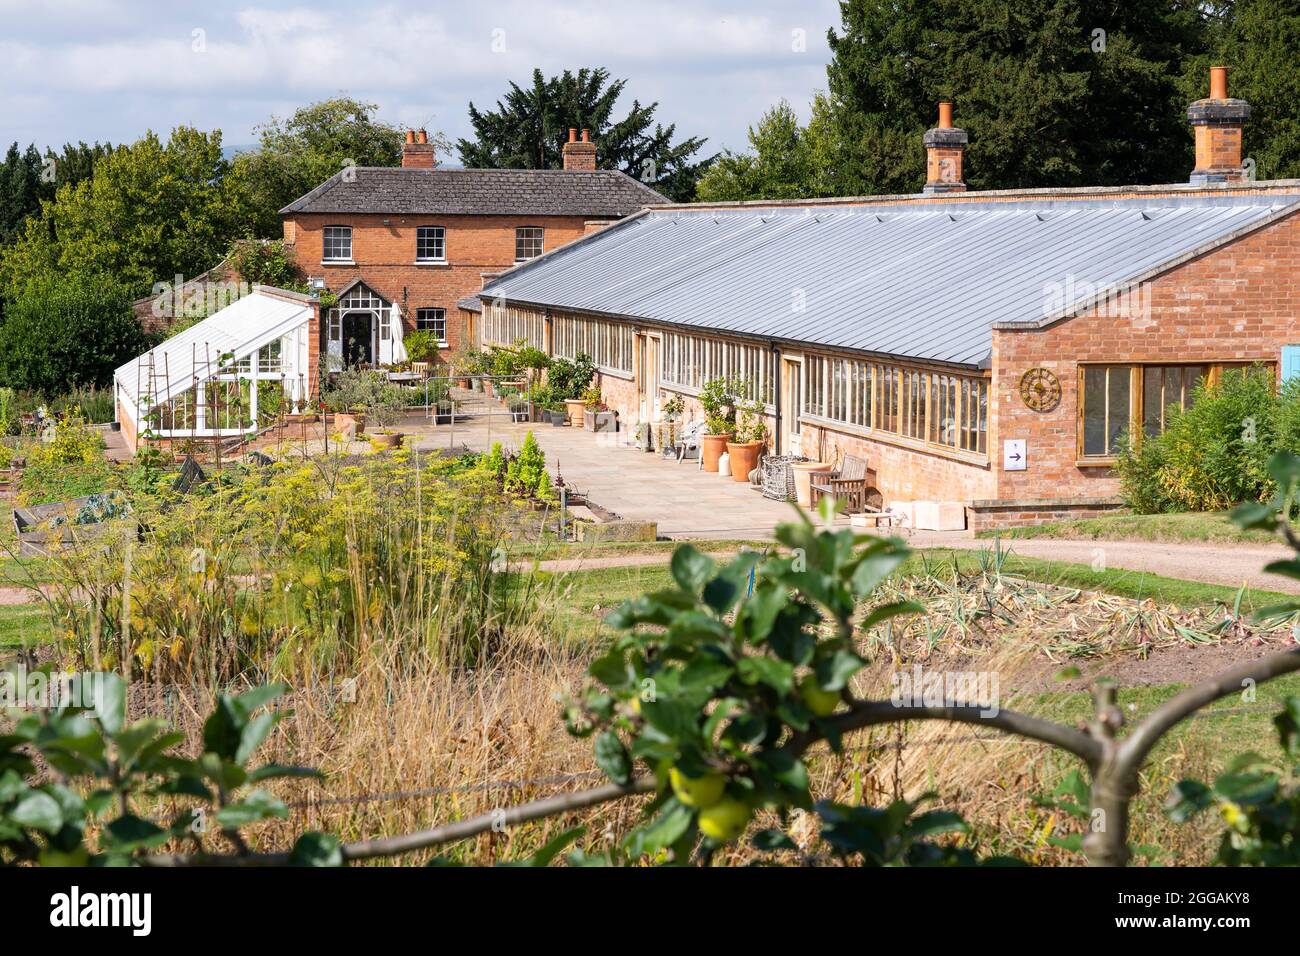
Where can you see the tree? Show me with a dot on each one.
(60, 334)
(528, 130)
(1067, 92)
(1258, 39)
(778, 168)
(151, 210)
(297, 154)
(28, 177)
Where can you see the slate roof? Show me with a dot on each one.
(482, 192)
(916, 280)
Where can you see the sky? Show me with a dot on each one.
(109, 70)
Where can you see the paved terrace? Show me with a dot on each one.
(685, 501)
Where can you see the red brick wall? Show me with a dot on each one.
(385, 257)
(1238, 303)
(902, 474)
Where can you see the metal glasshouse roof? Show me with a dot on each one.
(236, 331)
(926, 281)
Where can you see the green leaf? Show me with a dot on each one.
(887, 611)
(129, 832)
(834, 672)
(316, 849)
(251, 737)
(776, 674)
(872, 570)
(690, 568)
(612, 757)
(39, 811)
(1188, 798)
(110, 702)
(258, 805)
(773, 840)
(555, 847)
(666, 828)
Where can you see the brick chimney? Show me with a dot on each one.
(1217, 122)
(578, 154)
(945, 145)
(417, 151)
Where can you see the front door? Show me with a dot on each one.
(791, 405)
(358, 339)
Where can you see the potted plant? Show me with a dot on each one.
(748, 441)
(667, 431)
(386, 411)
(569, 379)
(718, 399)
(596, 414)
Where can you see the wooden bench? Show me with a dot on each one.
(848, 483)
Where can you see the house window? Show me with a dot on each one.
(338, 244)
(1165, 388)
(432, 320)
(1138, 399)
(1107, 413)
(528, 243)
(430, 244)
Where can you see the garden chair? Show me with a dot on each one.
(689, 440)
(848, 483)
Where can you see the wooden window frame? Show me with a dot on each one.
(1137, 396)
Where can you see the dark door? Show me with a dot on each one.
(358, 343)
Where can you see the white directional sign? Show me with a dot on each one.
(1013, 454)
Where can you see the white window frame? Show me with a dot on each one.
(438, 237)
(520, 237)
(442, 319)
(327, 238)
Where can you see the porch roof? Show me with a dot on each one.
(196, 354)
(897, 278)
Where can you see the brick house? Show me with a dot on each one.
(415, 240)
(399, 247)
(988, 349)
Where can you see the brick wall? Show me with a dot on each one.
(385, 257)
(986, 516)
(901, 473)
(1238, 303)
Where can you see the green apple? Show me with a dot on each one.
(725, 820)
(820, 702)
(697, 791)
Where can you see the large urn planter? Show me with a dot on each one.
(744, 458)
(577, 410)
(803, 472)
(384, 441)
(711, 449)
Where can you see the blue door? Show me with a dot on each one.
(1290, 362)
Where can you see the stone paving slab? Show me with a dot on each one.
(685, 501)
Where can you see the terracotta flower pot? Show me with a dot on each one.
(803, 472)
(711, 449)
(383, 441)
(577, 410)
(744, 458)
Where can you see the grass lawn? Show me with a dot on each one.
(22, 625)
(1118, 581)
(578, 594)
(1208, 527)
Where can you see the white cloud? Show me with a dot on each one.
(108, 69)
